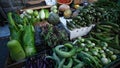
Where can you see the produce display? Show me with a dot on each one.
(107, 32)
(109, 29)
(39, 37)
(82, 53)
(85, 16)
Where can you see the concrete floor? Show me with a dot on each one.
(4, 33)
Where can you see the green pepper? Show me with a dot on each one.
(63, 53)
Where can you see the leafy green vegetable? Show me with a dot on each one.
(28, 40)
(16, 51)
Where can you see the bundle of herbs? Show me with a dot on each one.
(53, 36)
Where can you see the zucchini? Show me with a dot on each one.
(69, 64)
(61, 63)
(63, 53)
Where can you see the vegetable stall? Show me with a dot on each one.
(65, 34)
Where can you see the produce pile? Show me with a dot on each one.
(39, 37)
(82, 53)
(53, 35)
(108, 30)
(88, 15)
(33, 32)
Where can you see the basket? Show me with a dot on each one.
(65, 3)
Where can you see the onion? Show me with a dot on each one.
(64, 7)
(67, 13)
(113, 57)
(104, 61)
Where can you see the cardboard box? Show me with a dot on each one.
(77, 31)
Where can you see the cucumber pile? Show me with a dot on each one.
(107, 32)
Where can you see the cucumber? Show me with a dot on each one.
(111, 24)
(70, 25)
(102, 38)
(117, 40)
(104, 29)
(106, 26)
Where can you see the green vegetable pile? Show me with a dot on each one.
(82, 53)
(86, 16)
(112, 10)
(53, 36)
(35, 16)
(22, 32)
(109, 29)
(107, 32)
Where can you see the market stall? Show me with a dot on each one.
(64, 34)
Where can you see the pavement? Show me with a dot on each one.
(4, 38)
